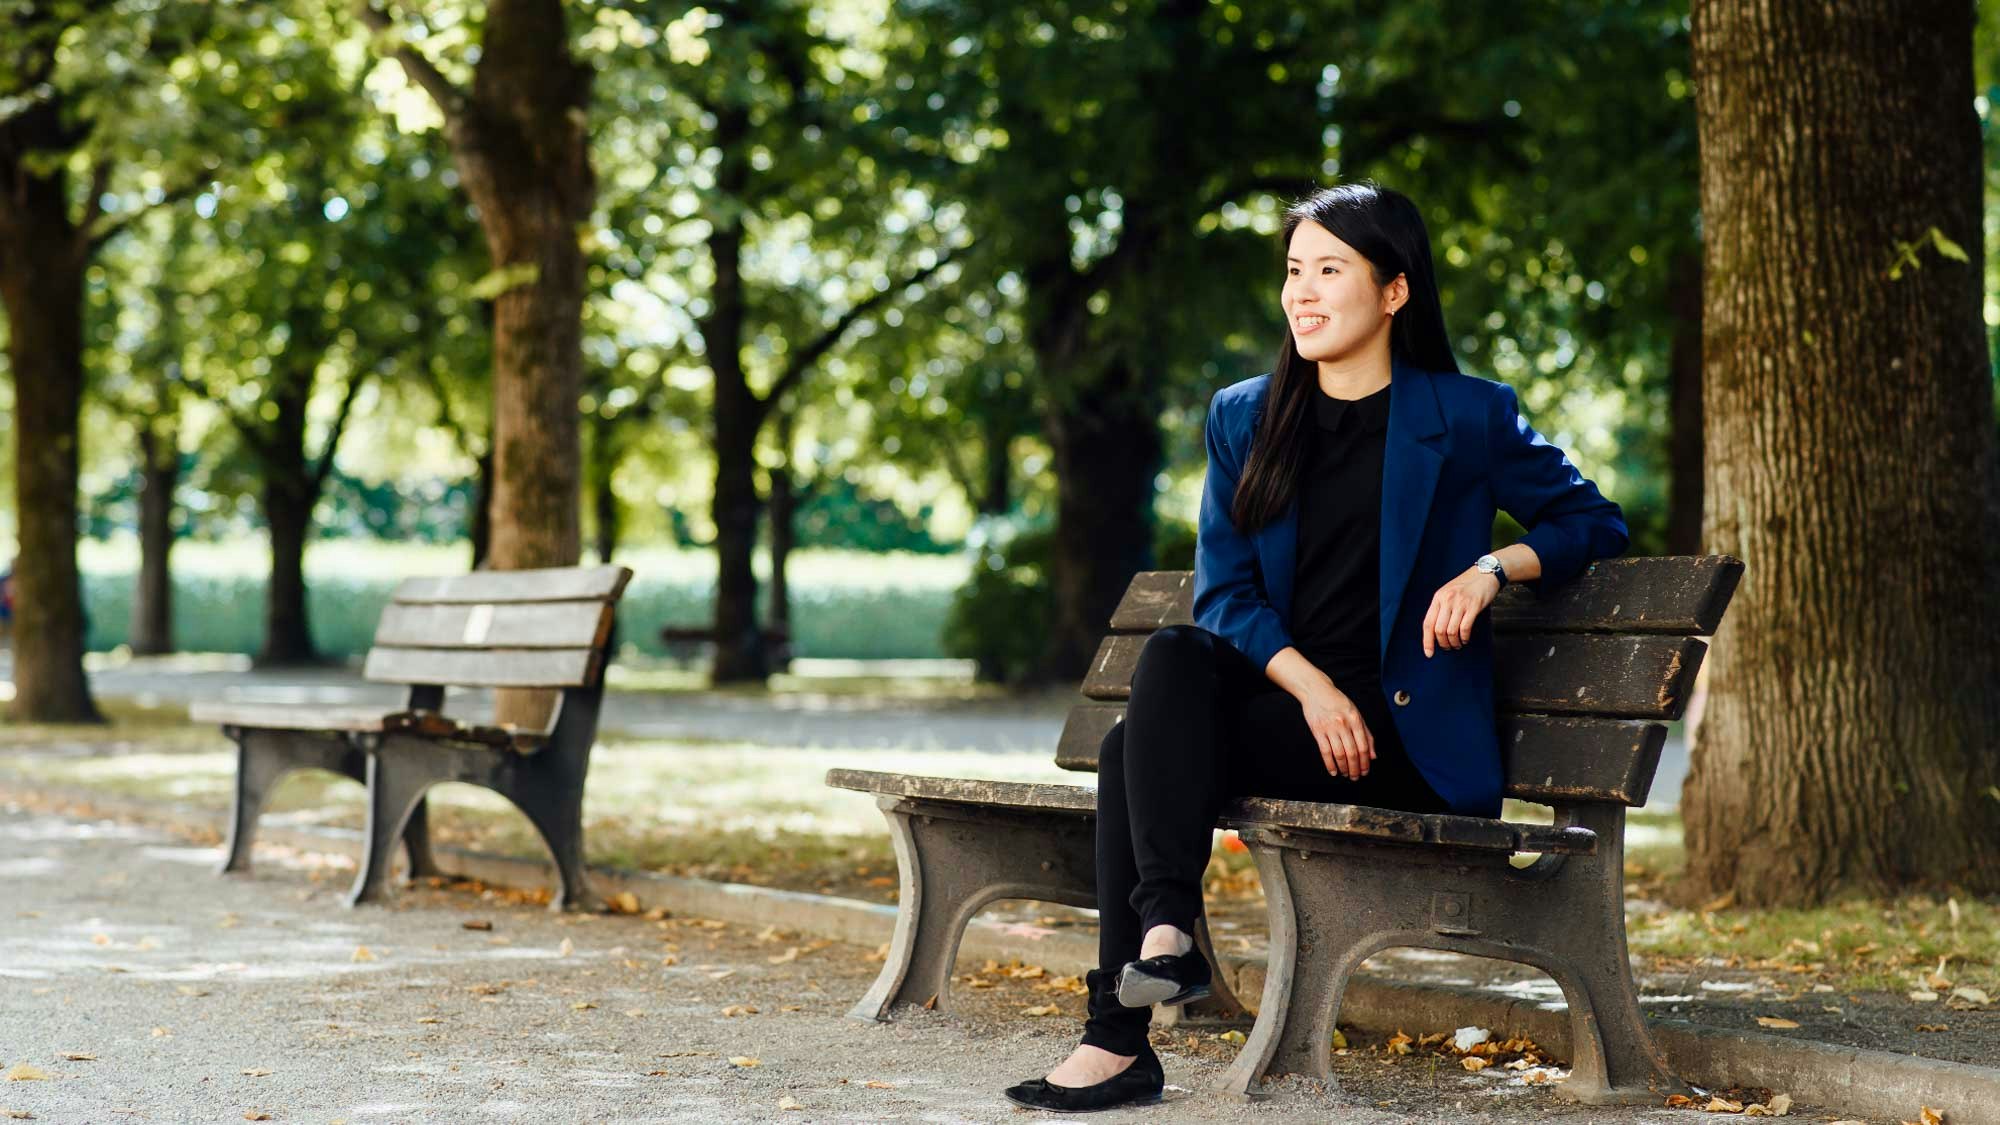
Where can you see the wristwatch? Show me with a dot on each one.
(1491, 565)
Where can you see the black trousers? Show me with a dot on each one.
(1205, 725)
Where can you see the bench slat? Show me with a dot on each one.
(1259, 812)
(1640, 676)
(1677, 594)
(548, 584)
(528, 668)
(290, 716)
(1547, 758)
(577, 624)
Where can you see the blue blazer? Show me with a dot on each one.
(1456, 449)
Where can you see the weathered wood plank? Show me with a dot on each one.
(1547, 758)
(1316, 816)
(1154, 600)
(1677, 594)
(549, 668)
(577, 624)
(548, 584)
(289, 716)
(1636, 676)
(1007, 794)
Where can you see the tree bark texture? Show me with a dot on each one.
(1849, 740)
(1106, 439)
(152, 632)
(43, 255)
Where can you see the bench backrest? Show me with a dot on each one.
(1585, 678)
(499, 628)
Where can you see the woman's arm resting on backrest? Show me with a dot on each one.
(1568, 521)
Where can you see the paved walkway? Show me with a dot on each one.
(135, 985)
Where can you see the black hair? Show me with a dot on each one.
(1386, 228)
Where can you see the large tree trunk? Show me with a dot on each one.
(1848, 741)
(479, 532)
(783, 510)
(43, 287)
(43, 256)
(998, 494)
(521, 142)
(1106, 437)
(152, 632)
(1684, 454)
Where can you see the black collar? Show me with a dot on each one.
(1371, 410)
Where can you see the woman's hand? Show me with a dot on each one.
(1454, 608)
(1344, 742)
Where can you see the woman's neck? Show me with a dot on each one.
(1352, 379)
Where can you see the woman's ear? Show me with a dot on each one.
(1396, 294)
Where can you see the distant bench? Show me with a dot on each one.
(544, 629)
(1586, 678)
(686, 642)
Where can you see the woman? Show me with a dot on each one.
(1341, 572)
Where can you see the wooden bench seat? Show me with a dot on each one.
(1433, 829)
(547, 630)
(1586, 678)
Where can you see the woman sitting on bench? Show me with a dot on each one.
(1342, 566)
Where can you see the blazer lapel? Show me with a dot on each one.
(1411, 461)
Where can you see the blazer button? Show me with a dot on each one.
(1402, 698)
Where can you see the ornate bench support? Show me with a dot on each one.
(954, 860)
(264, 757)
(1333, 902)
(547, 786)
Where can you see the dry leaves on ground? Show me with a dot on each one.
(23, 1072)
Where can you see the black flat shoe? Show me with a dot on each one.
(1170, 978)
(1138, 1084)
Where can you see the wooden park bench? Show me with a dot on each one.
(1586, 678)
(538, 629)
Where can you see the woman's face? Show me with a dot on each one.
(1330, 297)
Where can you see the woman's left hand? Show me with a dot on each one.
(1454, 608)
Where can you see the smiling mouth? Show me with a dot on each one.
(1308, 324)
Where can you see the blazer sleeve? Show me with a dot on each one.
(1568, 521)
(1228, 590)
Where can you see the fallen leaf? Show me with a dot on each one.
(361, 953)
(582, 1006)
(161, 1033)
(1923, 995)
(17, 1114)
(874, 1085)
(1778, 1106)
(1776, 1021)
(1231, 1036)
(744, 1061)
(1679, 1101)
(566, 948)
(1339, 1040)
(1042, 1010)
(253, 1115)
(429, 1019)
(624, 902)
(78, 1056)
(740, 1010)
(22, 1072)
(721, 974)
(786, 1102)
(1970, 995)
(257, 1072)
(791, 954)
(190, 990)
(1474, 1063)
(635, 1013)
(100, 939)
(1399, 1043)
(476, 924)
(1933, 1027)
(1723, 1105)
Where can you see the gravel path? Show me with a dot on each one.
(147, 989)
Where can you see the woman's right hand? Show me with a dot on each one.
(1345, 744)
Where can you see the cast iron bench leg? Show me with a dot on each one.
(396, 784)
(263, 757)
(548, 789)
(955, 860)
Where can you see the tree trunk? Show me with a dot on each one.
(1684, 452)
(739, 415)
(43, 256)
(152, 632)
(288, 497)
(1106, 438)
(1855, 685)
(783, 513)
(42, 282)
(998, 494)
(601, 464)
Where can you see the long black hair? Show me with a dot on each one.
(1385, 226)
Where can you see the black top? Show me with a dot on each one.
(1336, 617)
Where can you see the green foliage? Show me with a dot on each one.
(841, 515)
(1001, 617)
